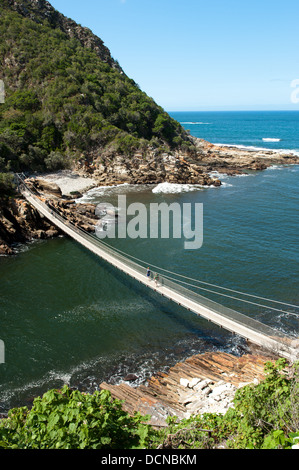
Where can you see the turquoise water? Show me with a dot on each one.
(67, 317)
(244, 128)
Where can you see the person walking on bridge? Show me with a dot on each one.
(148, 273)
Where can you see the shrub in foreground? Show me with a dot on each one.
(69, 419)
(264, 416)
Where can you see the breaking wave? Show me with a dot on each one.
(264, 149)
(201, 123)
(171, 188)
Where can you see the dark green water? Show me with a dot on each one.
(67, 317)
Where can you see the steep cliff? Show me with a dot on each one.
(67, 100)
(69, 104)
(41, 12)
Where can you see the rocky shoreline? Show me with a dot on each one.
(155, 168)
(235, 160)
(20, 223)
(203, 383)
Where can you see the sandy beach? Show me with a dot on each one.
(68, 181)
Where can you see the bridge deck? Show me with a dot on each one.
(229, 319)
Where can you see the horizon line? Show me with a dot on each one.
(229, 110)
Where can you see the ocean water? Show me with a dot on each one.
(245, 128)
(68, 317)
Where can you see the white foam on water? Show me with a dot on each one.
(53, 379)
(98, 191)
(276, 167)
(173, 188)
(260, 149)
(198, 123)
(37, 384)
(216, 174)
(243, 147)
(221, 176)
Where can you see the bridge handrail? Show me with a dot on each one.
(233, 315)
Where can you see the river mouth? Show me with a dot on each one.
(67, 317)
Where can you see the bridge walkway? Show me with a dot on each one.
(225, 317)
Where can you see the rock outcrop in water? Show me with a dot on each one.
(204, 383)
(154, 169)
(233, 160)
(21, 223)
(176, 167)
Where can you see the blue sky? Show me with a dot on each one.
(196, 55)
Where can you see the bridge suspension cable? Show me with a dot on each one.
(231, 297)
(126, 255)
(225, 317)
(209, 284)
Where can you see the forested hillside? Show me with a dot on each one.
(67, 98)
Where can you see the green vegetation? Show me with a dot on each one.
(265, 416)
(71, 420)
(63, 103)
(7, 185)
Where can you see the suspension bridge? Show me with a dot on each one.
(175, 286)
